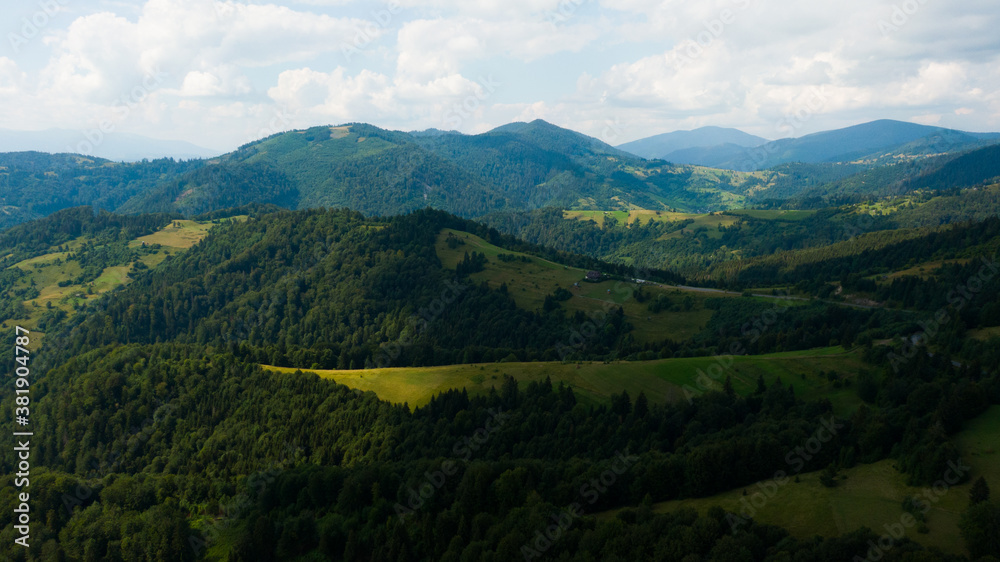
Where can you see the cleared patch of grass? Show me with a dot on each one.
(29, 264)
(703, 222)
(923, 270)
(663, 380)
(870, 496)
(111, 278)
(772, 214)
(985, 333)
(178, 234)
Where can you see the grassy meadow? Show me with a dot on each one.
(869, 495)
(662, 380)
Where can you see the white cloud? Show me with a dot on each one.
(11, 77)
(202, 44)
(233, 68)
(440, 47)
(336, 97)
(499, 9)
(221, 81)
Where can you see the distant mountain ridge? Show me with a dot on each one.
(115, 146)
(865, 141)
(877, 142)
(671, 146)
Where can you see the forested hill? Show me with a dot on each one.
(330, 288)
(371, 170)
(35, 184)
(158, 436)
(375, 171)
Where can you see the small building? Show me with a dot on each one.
(593, 275)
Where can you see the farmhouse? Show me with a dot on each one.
(593, 275)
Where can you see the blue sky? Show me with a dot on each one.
(221, 73)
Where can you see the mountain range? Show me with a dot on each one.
(115, 146)
(677, 146)
(877, 142)
(515, 167)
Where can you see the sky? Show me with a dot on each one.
(222, 73)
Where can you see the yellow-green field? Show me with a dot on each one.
(708, 224)
(870, 495)
(923, 270)
(772, 214)
(664, 380)
(704, 222)
(985, 333)
(644, 216)
(529, 282)
(596, 216)
(180, 234)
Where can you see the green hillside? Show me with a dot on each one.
(663, 381)
(34, 184)
(868, 495)
(529, 280)
(59, 282)
(159, 435)
(385, 172)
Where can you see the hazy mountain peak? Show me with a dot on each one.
(662, 145)
(117, 146)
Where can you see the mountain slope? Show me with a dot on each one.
(946, 172)
(976, 167)
(330, 288)
(34, 184)
(357, 166)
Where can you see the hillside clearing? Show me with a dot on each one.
(663, 380)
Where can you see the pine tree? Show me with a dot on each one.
(641, 407)
(979, 493)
